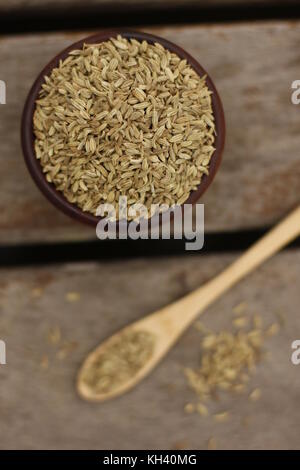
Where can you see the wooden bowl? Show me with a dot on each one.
(48, 189)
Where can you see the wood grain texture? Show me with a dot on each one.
(33, 5)
(252, 65)
(39, 407)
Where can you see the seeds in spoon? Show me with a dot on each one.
(119, 362)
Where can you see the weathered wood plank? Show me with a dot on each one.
(253, 66)
(33, 5)
(39, 407)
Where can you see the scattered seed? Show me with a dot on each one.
(212, 444)
(180, 445)
(240, 308)
(72, 296)
(221, 417)
(240, 322)
(54, 335)
(202, 409)
(239, 388)
(246, 420)
(36, 292)
(281, 319)
(257, 322)
(66, 349)
(44, 363)
(201, 328)
(189, 408)
(273, 330)
(255, 395)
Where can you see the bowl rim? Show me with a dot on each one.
(56, 197)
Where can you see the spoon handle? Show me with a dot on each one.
(189, 307)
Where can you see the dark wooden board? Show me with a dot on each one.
(32, 5)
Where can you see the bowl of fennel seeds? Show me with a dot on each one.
(122, 114)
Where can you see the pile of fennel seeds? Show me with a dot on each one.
(124, 117)
(228, 361)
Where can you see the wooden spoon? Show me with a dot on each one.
(171, 321)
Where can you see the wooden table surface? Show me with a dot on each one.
(38, 4)
(39, 406)
(253, 66)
